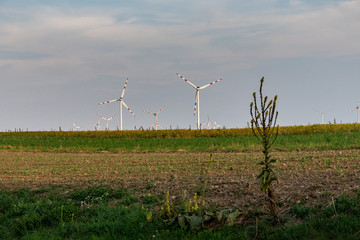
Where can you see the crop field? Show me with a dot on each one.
(315, 170)
(231, 177)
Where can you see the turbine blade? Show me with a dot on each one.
(128, 108)
(161, 109)
(115, 100)
(210, 83)
(187, 81)
(148, 112)
(111, 117)
(352, 110)
(122, 94)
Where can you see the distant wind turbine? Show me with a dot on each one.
(208, 124)
(156, 124)
(97, 125)
(197, 98)
(356, 108)
(75, 127)
(121, 104)
(216, 126)
(107, 121)
(322, 115)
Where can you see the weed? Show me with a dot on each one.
(149, 214)
(193, 206)
(149, 198)
(263, 126)
(301, 211)
(130, 199)
(167, 211)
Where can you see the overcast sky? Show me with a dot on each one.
(59, 59)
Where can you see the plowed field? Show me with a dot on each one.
(230, 179)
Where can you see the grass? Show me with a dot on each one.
(319, 141)
(101, 212)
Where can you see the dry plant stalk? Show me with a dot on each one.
(263, 125)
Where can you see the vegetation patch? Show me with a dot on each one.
(227, 140)
(46, 214)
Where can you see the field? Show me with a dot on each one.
(231, 177)
(316, 171)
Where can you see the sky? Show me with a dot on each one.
(60, 58)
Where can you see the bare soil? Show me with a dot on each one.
(229, 180)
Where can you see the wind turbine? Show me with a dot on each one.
(208, 124)
(322, 115)
(156, 124)
(197, 98)
(107, 121)
(121, 104)
(356, 108)
(97, 125)
(75, 127)
(216, 126)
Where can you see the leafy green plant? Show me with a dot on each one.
(263, 126)
(149, 198)
(301, 211)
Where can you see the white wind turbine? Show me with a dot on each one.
(97, 125)
(356, 108)
(107, 121)
(216, 126)
(197, 98)
(208, 124)
(322, 115)
(121, 104)
(75, 127)
(156, 124)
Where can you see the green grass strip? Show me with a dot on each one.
(101, 212)
(318, 141)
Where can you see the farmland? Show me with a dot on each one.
(331, 136)
(318, 173)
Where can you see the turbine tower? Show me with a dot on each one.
(356, 108)
(156, 124)
(121, 104)
(197, 98)
(107, 121)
